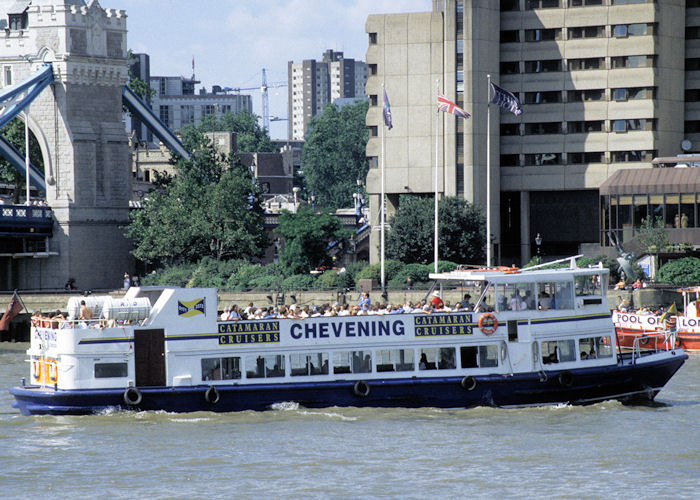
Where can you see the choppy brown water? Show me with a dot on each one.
(603, 451)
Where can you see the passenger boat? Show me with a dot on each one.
(647, 329)
(534, 337)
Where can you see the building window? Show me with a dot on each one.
(633, 62)
(510, 129)
(542, 35)
(691, 64)
(692, 127)
(510, 160)
(543, 66)
(510, 5)
(18, 21)
(583, 158)
(373, 161)
(373, 100)
(542, 128)
(510, 68)
(372, 69)
(186, 114)
(583, 127)
(692, 95)
(584, 3)
(632, 156)
(510, 36)
(585, 95)
(547, 97)
(541, 4)
(586, 63)
(539, 159)
(372, 38)
(373, 130)
(586, 32)
(162, 86)
(633, 124)
(8, 75)
(164, 114)
(208, 109)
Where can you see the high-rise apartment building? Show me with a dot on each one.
(313, 84)
(605, 85)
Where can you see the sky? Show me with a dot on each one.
(232, 40)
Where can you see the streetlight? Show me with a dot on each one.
(296, 190)
(538, 242)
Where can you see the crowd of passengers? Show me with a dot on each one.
(364, 307)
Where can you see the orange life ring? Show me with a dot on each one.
(488, 323)
(53, 370)
(37, 369)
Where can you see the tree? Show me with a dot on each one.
(13, 132)
(652, 234)
(306, 238)
(681, 272)
(334, 155)
(208, 208)
(461, 231)
(250, 136)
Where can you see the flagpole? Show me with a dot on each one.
(437, 127)
(488, 171)
(381, 204)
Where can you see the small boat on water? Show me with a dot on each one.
(647, 330)
(533, 337)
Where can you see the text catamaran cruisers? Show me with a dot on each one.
(557, 346)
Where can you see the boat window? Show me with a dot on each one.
(390, 360)
(442, 359)
(595, 347)
(268, 366)
(111, 370)
(558, 351)
(221, 368)
(352, 362)
(587, 285)
(515, 297)
(309, 363)
(479, 356)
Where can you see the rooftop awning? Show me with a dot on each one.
(652, 181)
(676, 159)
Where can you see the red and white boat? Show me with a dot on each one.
(648, 327)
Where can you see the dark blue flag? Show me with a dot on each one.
(506, 100)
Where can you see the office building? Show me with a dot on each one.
(605, 85)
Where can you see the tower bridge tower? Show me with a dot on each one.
(79, 126)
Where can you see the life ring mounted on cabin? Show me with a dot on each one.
(36, 364)
(488, 323)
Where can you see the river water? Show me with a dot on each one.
(602, 451)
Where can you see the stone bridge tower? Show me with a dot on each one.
(78, 122)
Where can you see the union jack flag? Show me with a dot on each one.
(444, 104)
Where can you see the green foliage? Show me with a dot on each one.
(178, 275)
(682, 272)
(333, 279)
(652, 234)
(417, 272)
(334, 155)
(298, 282)
(205, 209)
(250, 137)
(254, 276)
(374, 271)
(306, 236)
(461, 237)
(14, 133)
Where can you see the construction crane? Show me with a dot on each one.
(265, 103)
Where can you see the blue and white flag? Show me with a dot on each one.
(387, 111)
(506, 100)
